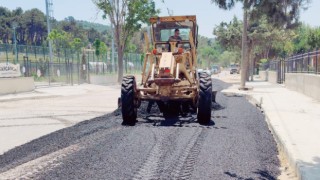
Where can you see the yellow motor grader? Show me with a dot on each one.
(169, 75)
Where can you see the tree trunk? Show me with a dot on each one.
(251, 61)
(120, 64)
(249, 64)
(244, 53)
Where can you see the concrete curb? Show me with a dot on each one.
(280, 143)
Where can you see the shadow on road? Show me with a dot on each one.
(262, 175)
(172, 120)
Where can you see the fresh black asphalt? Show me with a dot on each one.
(236, 145)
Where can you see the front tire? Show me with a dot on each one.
(128, 91)
(204, 99)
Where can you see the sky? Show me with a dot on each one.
(208, 15)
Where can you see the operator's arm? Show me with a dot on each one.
(171, 38)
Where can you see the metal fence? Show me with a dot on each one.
(301, 63)
(304, 63)
(279, 67)
(67, 66)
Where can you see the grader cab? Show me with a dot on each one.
(169, 75)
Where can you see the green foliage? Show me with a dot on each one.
(127, 17)
(32, 29)
(139, 11)
(100, 47)
(88, 25)
(313, 38)
(263, 60)
(77, 44)
(96, 46)
(58, 38)
(31, 26)
(131, 47)
(281, 13)
(265, 32)
(265, 40)
(229, 34)
(103, 48)
(209, 51)
(136, 42)
(229, 57)
(301, 40)
(225, 4)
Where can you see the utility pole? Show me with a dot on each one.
(49, 13)
(14, 26)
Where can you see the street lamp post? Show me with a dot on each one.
(14, 26)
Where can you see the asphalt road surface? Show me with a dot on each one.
(236, 145)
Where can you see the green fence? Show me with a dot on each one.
(67, 65)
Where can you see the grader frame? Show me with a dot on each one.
(169, 74)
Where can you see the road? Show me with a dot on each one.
(236, 145)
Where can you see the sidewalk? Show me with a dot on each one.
(294, 119)
(54, 91)
(28, 116)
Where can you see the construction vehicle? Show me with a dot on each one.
(169, 74)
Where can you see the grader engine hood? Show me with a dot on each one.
(166, 66)
(170, 68)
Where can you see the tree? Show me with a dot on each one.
(229, 57)
(93, 34)
(210, 55)
(229, 34)
(55, 36)
(314, 38)
(96, 45)
(263, 39)
(60, 39)
(209, 51)
(283, 13)
(32, 28)
(126, 16)
(77, 44)
(100, 48)
(5, 15)
(228, 4)
(35, 22)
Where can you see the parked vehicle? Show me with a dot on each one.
(215, 69)
(234, 69)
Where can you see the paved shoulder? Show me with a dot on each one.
(294, 120)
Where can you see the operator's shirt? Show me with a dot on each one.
(173, 38)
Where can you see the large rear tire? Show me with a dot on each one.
(128, 101)
(204, 99)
